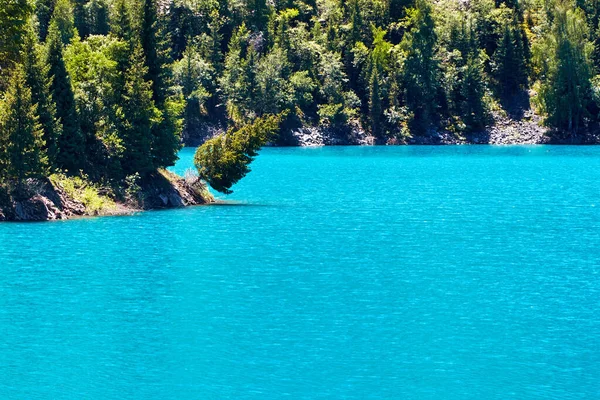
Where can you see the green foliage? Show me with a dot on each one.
(194, 76)
(272, 79)
(154, 53)
(464, 76)
(224, 160)
(63, 20)
(564, 59)
(95, 76)
(138, 117)
(120, 20)
(165, 140)
(420, 69)
(238, 81)
(510, 59)
(120, 81)
(22, 152)
(38, 79)
(81, 189)
(71, 142)
(97, 17)
(340, 104)
(14, 15)
(472, 107)
(43, 14)
(258, 15)
(166, 135)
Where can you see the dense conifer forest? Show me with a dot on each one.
(106, 89)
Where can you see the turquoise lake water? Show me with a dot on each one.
(338, 273)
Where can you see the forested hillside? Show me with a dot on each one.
(106, 88)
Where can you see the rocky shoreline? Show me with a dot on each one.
(527, 130)
(522, 126)
(51, 200)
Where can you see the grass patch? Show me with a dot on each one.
(192, 180)
(85, 192)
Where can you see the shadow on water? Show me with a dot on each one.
(237, 203)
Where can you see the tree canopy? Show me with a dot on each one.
(223, 160)
(115, 85)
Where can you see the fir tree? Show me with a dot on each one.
(24, 145)
(215, 25)
(232, 81)
(566, 90)
(80, 18)
(97, 17)
(509, 60)
(120, 21)
(224, 160)
(420, 65)
(43, 13)
(167, 133)
(375, 106)
(149, 41)
(71, 143)
(472, 88)
(258, 16)
(139, 116)
(38, 79)
(195, 76)
(14, 16)
(63, 20)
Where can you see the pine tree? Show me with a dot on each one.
(63, 20)
(566, 90)
(234, 76)
(97, 17)
(375, 106)
(166, 135)
(195, 76)
(224, 160)
(473, 111)
(139, 116)
(43, 13)
(248, 83)
(71, 144)
(120, 21)
(14, 15)
(80, 18)
(215, 25)
(420, 65)
(24, 153)
(509, 60)
(258, 16)
(149, 41)
(357, 24)
(465, 76)
(3, 148)
(38, 79)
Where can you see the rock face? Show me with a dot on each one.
(167, 190)
(47, 202)
(201, 134)
(39, 201)
(527, 129)
(352, 134)
(502, 130)
(517, 123)
(37, 208)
